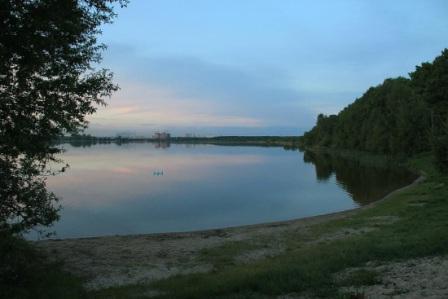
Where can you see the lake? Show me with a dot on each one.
(139, 188)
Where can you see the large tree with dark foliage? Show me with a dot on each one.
(48, 85)
(430, 81)
(399, 116)
(387, 119)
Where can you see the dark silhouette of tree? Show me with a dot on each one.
(430, 81)
(400, 117)
(48, 85)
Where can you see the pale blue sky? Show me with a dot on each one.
(257, 67)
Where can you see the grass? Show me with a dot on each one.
(224, 255)
(419, 229)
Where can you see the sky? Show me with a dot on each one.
(256, 67)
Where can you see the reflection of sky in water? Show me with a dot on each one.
(112, 189)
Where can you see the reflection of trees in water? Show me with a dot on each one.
(365, 184)
(323, 165)
(162, 144)
(88, 143)
(96, 141)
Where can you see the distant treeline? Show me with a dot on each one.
(95, 139)
(284, 141)
(401, 116)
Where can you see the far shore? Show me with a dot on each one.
(281, 141)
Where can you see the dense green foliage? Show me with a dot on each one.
(399, 116)
(430, 81)
(26, 273)
(47, 87)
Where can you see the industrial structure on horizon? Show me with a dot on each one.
(161, 136)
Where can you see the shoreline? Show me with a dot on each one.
(316, 218)
(121, 260)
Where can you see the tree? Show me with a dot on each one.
(430, 81)
(48, 85)
(387, 119)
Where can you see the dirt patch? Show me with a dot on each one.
(258, 254)
(343, 233)
(416, 278)
(122, 260)
(383, 220)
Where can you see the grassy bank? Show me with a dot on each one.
(411, 223)
(420, 216)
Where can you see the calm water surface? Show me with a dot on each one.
(140, 188)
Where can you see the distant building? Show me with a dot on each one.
(161, 136)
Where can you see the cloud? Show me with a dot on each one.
(138, 104)
(190, 92)
(310, 57)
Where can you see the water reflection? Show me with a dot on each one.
(119, 189)
(365, 184)
(162, 144)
